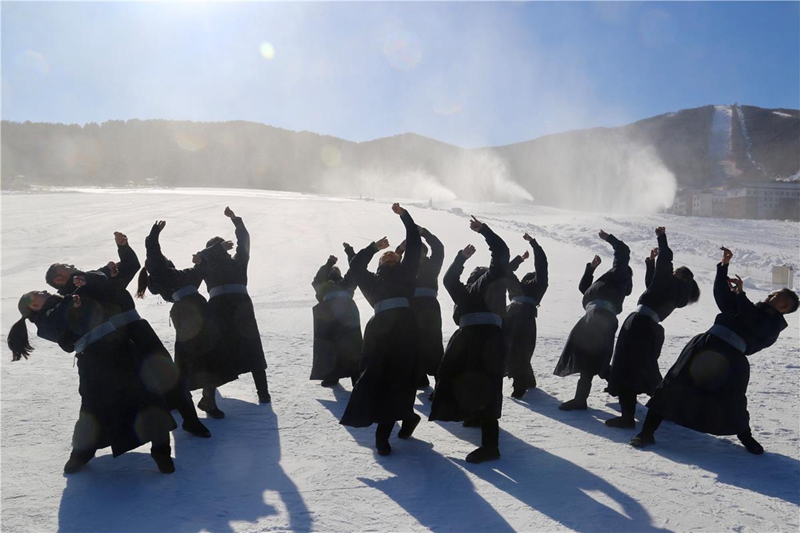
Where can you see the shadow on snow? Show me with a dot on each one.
(228, 478)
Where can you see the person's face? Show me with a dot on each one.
(63, 272)
(38, 299)
(779, 301)
(389, 259)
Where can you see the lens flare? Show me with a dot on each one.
(331, 156)
(267, 51)
(403, 49)
(191, 142)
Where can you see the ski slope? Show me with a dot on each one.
(291, 466)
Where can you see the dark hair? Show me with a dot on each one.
(687, 276)
(423, 249)
(476, 273)
(50, 277)
(214, 240)
(684, 273)
(17, 338)
(793, 296)
(694, 291)
(141, 286)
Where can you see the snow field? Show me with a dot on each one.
(291, 466)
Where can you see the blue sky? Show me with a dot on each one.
(471, 74)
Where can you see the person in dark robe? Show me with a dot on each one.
(519, 327)
(385, 392)
(108, 286)
(634, 367)
(706, 388)
(118, 408)
(470, 385)
(426, 305)
(231, 309)
(198, 350)
(590, 344)
(337, 326)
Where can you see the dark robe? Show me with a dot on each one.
(386, 390)
(519, 328)
(426, 308)
(233, 314)
(590, 344)
(112, 293)
(119, 408)
(337, 327)
(198, 350)
(470, 384)
(634, 367)
(706, 388)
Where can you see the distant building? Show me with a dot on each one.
(763, 200)
(701, 204)
(778, 199)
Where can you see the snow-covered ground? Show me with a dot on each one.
(291, 466)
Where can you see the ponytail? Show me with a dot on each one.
(142, 285)
(694, 292)
(18, 340)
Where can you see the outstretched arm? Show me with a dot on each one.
(410, 262)
(437, 250)
(129, 263)
(725, 298)
(664, 266)
(358, 266)
(650, 267)
(498, 265)
(588, 274)
(348, 250)
(242, 254)
(452, 278)
(540, 264)
(323, 272)
(622, 254)
(514, 264)
(155, 258)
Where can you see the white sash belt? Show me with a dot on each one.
(231, 288)
(390, 303)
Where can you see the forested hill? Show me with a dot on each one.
(705, 146)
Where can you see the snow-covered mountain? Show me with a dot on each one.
(633, 168)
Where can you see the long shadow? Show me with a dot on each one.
(430, 487)
(218, 481)
(590, 420)
(771, 474)
(555, 487)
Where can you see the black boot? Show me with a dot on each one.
(581, 394)
(77, 459)
(518, 389)
(490, 437)
(382, 434)
(423, 382)
(408, 426)
(208, 404)
(161, 455)
(260, 379)
(196, 428)
(329, 382)
(627, 403)
(750, 443)
(646, 436)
